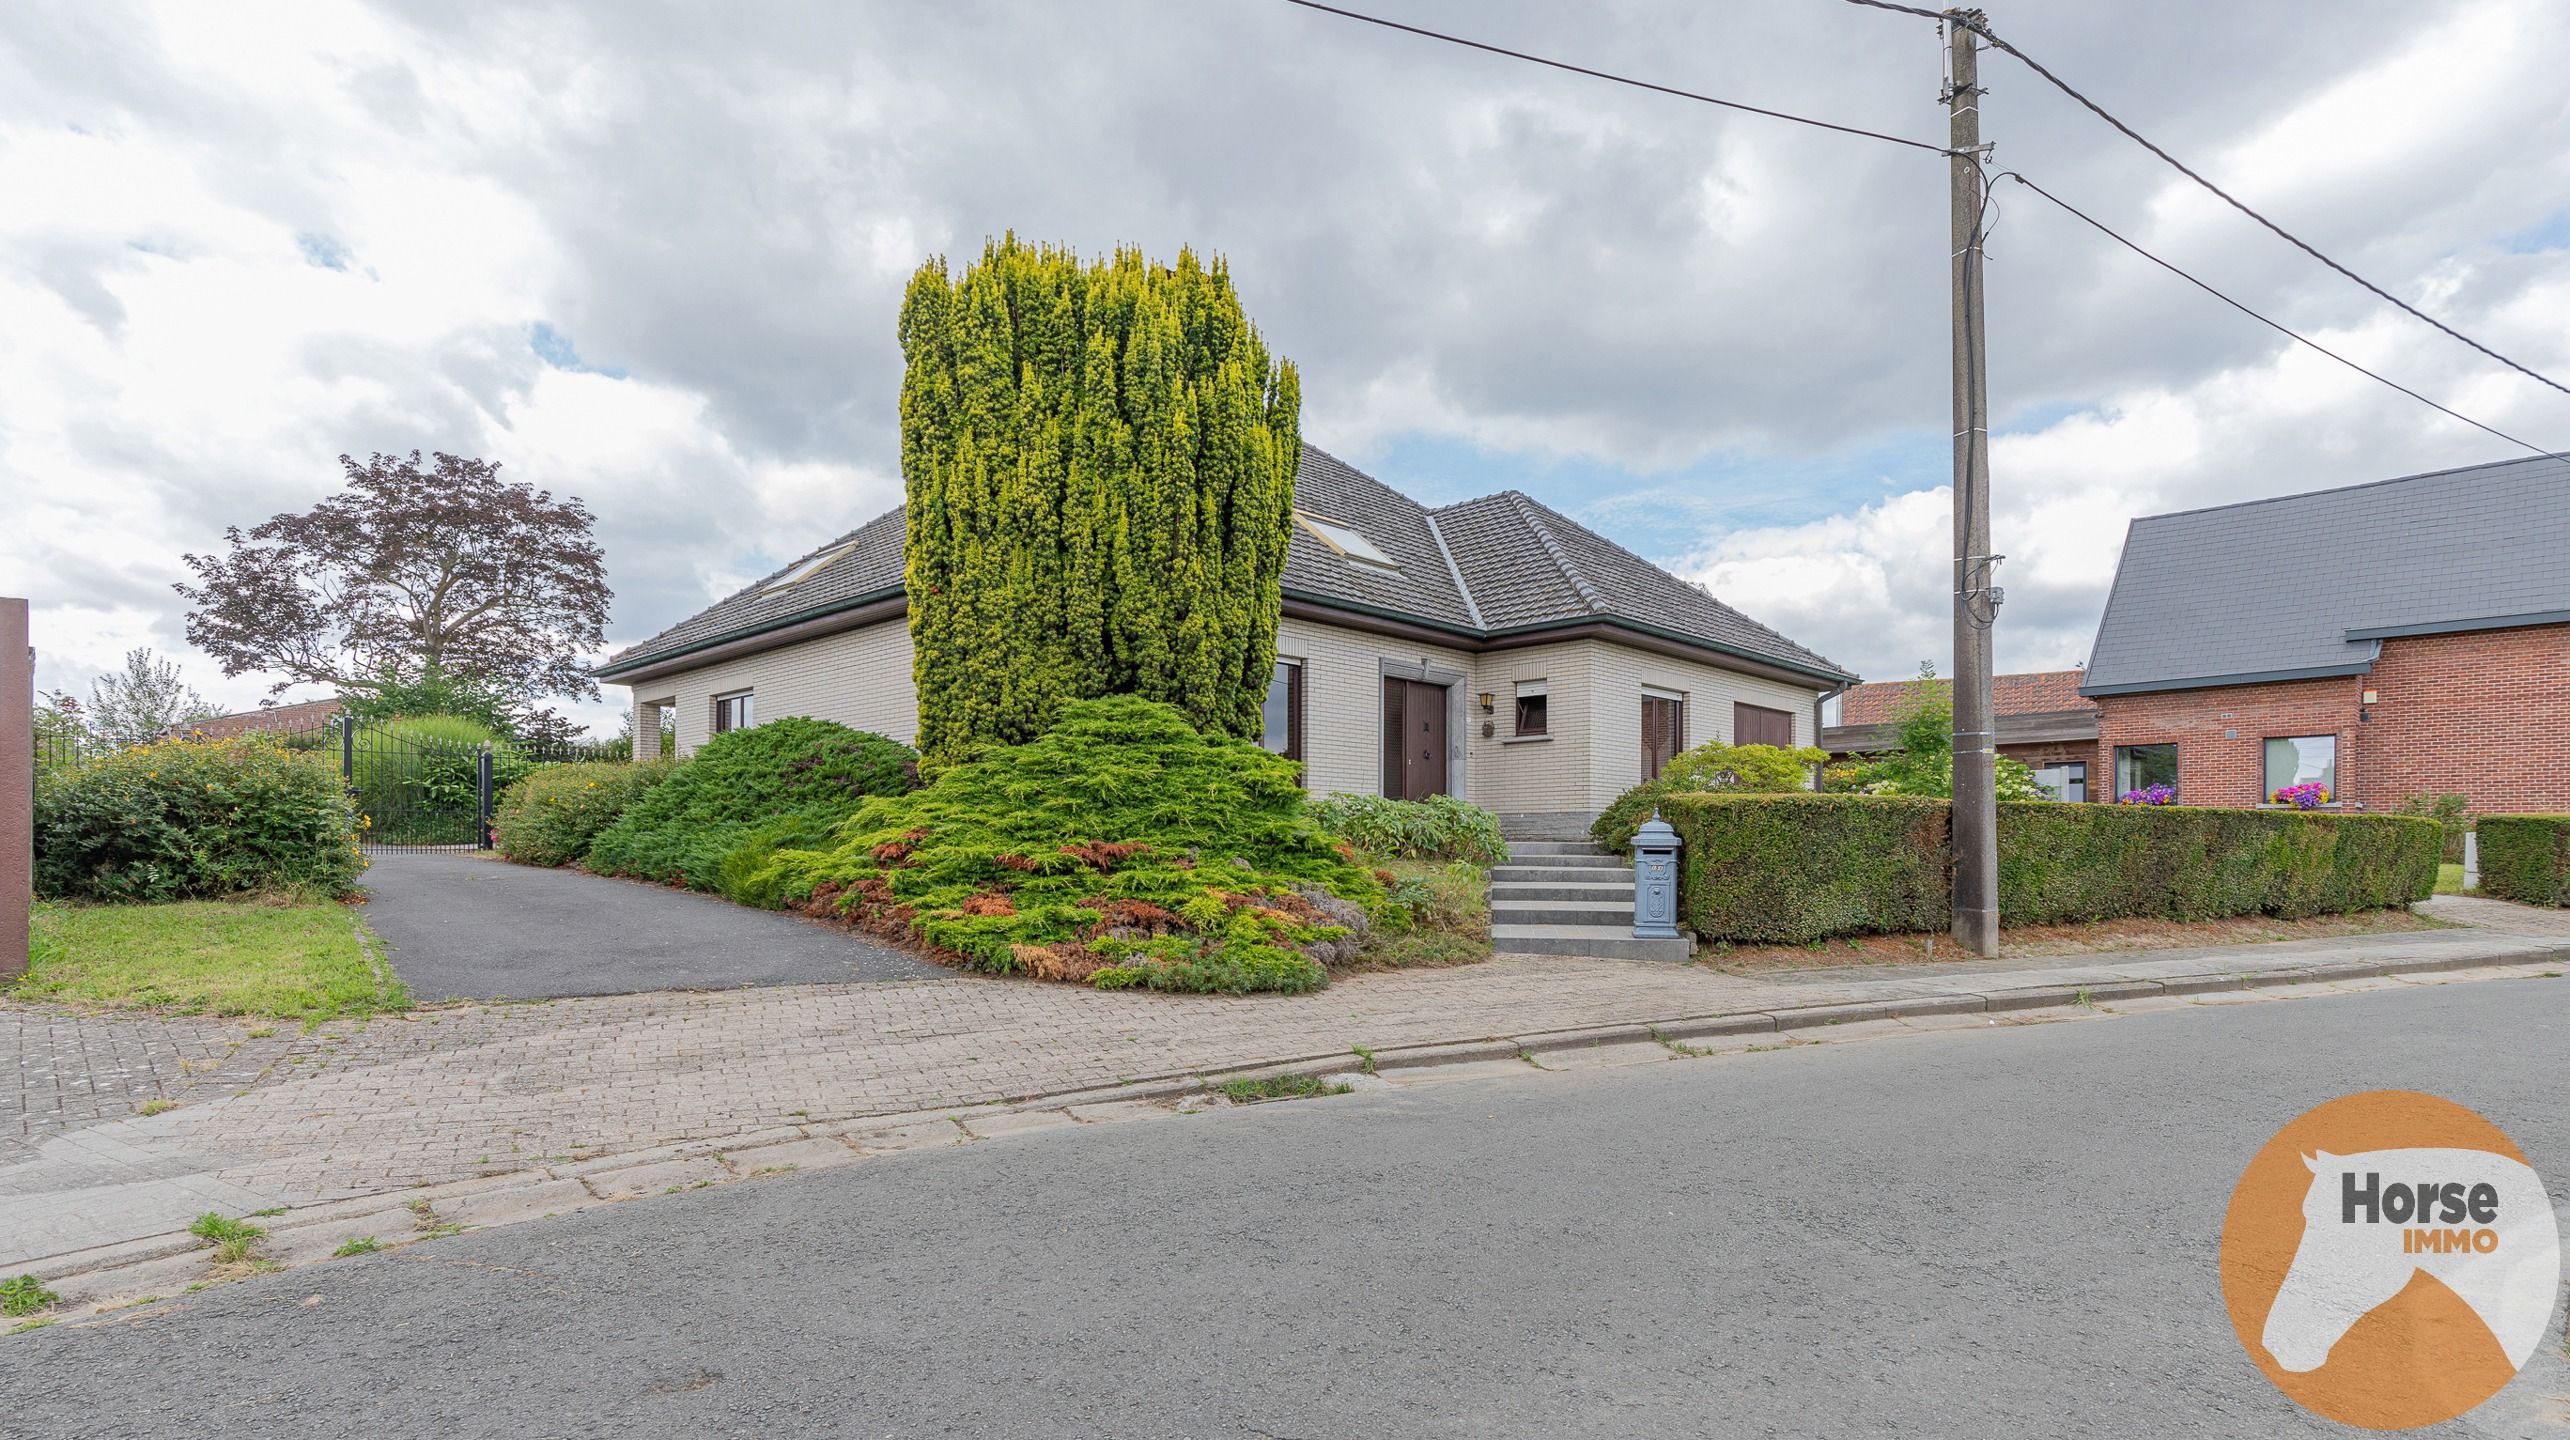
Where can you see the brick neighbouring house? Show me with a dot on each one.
(2044, 722)
(279, 719)
(2405, 637)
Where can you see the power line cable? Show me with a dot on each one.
(1980, 25)
(1614, 78)
(2110, 233)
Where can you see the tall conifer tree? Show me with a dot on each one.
(1098, 462)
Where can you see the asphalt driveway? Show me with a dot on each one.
(462, 926)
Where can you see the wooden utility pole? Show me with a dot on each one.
(1976, 600)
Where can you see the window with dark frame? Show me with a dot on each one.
(1664, 732)
(1282, 716)
(1759, 725)
(1534, 716)
(2139, 767)
(732, 712)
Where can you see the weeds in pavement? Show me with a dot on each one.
(155, 1106)
(357, 1245)
(24, 1296)
(39, 1323)
(1364, 1057)
(1250, 1091)
(1678, 1046)
(233, 1240)
(2086, 999)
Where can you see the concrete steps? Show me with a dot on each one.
(1568, 897)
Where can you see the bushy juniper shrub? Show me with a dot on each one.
(1440, 827)
(184, 819)
(1712, 768)
(551, 816)
(1121, 847)
(796, 773)
(1792, 869)
(2526, 858)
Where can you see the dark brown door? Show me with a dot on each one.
(1414, 739)
(1758, 725)
(1664, 733)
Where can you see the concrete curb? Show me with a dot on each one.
(95, 1272)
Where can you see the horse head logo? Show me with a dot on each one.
(2357, 1250)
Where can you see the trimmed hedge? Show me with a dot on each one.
(1440, 827)
(1792, 869)
(794, 776)
(185, 819)
(2526, 858)
(551, 816)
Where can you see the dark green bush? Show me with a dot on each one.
(1797, 868)
(1121, 847)
(2454, 812)
(551, 816)
(182, 819)
(1710, 768)
(2526, 858)
(795, 772)
(1440, 827)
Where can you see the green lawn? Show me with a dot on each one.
(2449, 879)
(291, 959)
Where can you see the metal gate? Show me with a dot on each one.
(419, 786)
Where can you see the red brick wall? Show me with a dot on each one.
(2485, 714)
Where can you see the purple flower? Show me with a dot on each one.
(2149, 795)
(2302, 797)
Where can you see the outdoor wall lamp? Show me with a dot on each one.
(1488, 701)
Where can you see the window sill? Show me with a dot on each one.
(1524, 739)
(2331, 806)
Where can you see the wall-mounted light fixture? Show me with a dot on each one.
(1488, 701)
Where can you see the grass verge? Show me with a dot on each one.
(2449, 878)
(1281, 1087)
(289, 956)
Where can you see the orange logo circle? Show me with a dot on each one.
(2390, 1260)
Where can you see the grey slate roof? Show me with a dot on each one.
(2308, 585)
(1499, 563)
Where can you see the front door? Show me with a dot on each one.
(1414, 739)
(1664, 732)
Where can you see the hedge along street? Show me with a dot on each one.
(453, 1095)
(2526, 858)
(1803, 867)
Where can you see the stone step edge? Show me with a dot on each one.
(1998, 1000)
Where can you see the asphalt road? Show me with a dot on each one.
(462, 926)
(1996, 1232)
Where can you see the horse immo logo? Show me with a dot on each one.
(2390, 1259)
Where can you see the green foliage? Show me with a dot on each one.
(24, 1295)
(233, 1240)
(788, 777)
(1433, 914)
(551, 816)
(274, 954)
(432, 694)
(1921, 761)
(1121, 847)
(418, 779)
(1252, 1090)
(2526, 858)
(2454, 812)
(1440, 827)
(187, 818)
(1710, 768)
(1098, 461)
(1793, 869)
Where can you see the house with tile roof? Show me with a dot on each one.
(1492, 649)
(2043, 721)
(2404, 637)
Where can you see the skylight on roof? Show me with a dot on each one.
(1347, 540)
(808, 568)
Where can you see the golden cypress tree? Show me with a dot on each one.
(1098, 464)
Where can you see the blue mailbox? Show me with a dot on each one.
(1655, 880)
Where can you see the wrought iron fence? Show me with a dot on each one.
(418, 785)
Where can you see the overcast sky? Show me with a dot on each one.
(650, 255)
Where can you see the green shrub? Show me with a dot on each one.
(1440, 827)
(1792, 869)
(2526, 858)
(2454, 812)
(183, 819)
(1121, 847)
(550, 817)
(797, 773)
(1707, 769)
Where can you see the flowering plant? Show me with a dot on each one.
(2149, 795)
(2302, 797)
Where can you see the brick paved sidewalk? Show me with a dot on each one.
(353, 1109)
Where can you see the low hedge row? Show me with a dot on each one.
(2526, 858)
(1792, 869)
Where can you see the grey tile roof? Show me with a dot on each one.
(1502, 562)
(2273, 587)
